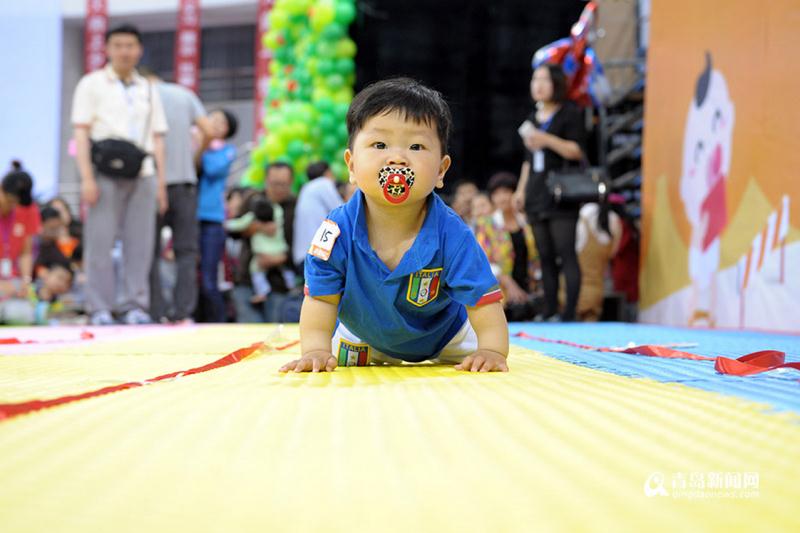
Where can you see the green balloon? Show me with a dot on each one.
(341, 132)
(345, 48)
(259, 156)
(344, 66)
(322, 15)
(345, 13)
(324, 105)
(339, 169)
(274, 146)
(341, 109)
(327, 122)
(333, 31)
(335, 82)
(326, 67)
(295, 149)
(278, 19)
(326, 49)
(330, 144)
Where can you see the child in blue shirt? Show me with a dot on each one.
(215, 164)
(394, 275)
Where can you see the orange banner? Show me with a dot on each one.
(720, 200)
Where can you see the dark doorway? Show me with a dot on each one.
(477, 53)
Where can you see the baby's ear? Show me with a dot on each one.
(444, 165)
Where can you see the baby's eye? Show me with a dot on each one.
(416, 147)
(379, 145)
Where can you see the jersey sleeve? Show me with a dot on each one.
(468, 275)
(325, 277)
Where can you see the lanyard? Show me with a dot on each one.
(8, 226)
(129, 92)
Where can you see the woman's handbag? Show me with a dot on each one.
(578, 185)
(118, 158)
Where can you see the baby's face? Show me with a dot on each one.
(57, 280)
(219, 124)
(481, 206)
(390, 141)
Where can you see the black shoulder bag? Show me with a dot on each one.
(578, 185)
(118, 158)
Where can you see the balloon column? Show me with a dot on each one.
(311, 86)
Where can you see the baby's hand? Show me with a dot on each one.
(318, 361)
(483, 361)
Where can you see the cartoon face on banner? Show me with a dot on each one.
(707, 149)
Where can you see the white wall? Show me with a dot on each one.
(30, 60)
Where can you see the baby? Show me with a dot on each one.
(394, 275)
(263, 215)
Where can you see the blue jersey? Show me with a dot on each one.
(412, 312)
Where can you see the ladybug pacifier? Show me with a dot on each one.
(396, 183)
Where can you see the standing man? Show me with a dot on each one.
(278, 188)
(183, 110)
(115, 102)
(317, 198)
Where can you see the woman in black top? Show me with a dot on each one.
(554, 138)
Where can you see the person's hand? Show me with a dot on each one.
(535, 140)
(89, 192)
(317, 361)
(163, 199)
(24, 289)
(513, 292)
(518, 200)
(483, 361)
(271, 228)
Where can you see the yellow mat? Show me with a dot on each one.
(548, 446)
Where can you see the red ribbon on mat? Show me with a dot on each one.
(746, 365)
(85, 335)
(10, 410)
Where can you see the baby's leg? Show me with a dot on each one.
(350, 350)
(261, 286)
(464, 343)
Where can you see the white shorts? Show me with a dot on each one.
(349, 350)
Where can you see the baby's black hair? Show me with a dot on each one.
(410, 98)
(233, 122)
(262, 209)
(47, 212)
(19, 184)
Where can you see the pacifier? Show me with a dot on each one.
(396, 183)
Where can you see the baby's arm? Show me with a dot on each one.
(317, 320)
(489, 323)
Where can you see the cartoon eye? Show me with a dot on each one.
(716, 120)
(698, 150)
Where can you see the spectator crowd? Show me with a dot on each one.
(174, 242)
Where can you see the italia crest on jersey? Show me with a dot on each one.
(423, 286)
(352, 354)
